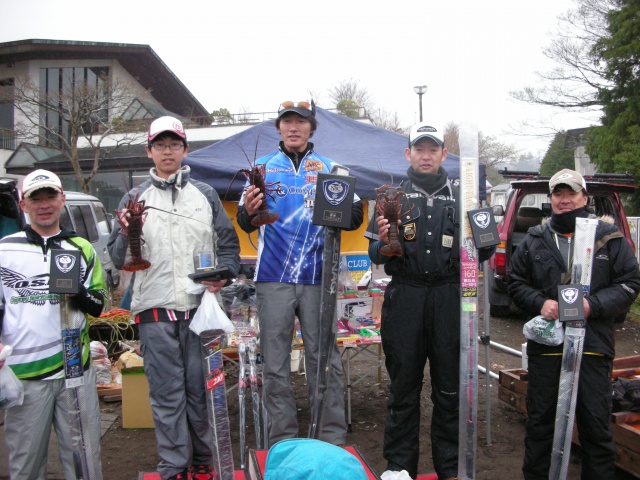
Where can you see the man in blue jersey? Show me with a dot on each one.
(30, 322)
(288, 272)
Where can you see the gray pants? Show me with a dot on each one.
(278, 303)
(173, 366)
(28, 429)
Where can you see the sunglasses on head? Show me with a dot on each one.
(290, 104)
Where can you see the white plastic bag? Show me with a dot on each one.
(11, 389)
(546, 332)
(210, 316)
(100, 362)
(194, 288)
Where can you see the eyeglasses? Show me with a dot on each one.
(161, 147)
(289, 104)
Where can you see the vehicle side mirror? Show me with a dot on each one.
(546, 209)
(498, 210)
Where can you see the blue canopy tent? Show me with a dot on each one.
(374, 155)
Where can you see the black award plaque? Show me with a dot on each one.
(64, 271)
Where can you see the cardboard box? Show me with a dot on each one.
(136, 409)
(129, 360)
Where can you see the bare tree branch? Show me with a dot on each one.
(385, 119)
(77, 115)
(578, 76)
(491, 151)
(350, 90)
(451, 135)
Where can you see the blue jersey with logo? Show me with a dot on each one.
(290, 250)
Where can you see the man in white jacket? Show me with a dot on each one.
(185, 217)
(30, 322)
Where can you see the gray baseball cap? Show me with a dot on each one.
(571, 178)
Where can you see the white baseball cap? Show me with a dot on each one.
(426, 130)
(38, 180)
(166, 124)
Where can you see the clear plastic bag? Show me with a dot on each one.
(546, 332)
(11, 389)
(346, 284)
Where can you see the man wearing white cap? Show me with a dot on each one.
(540, 263)
(160, 304)
(420, 317)
(30, 323)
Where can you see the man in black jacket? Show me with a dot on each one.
(541, 263)
(420, 313)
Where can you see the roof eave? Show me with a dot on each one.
(141, 61)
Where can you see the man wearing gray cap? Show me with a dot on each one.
(540, 263)
(420, 314)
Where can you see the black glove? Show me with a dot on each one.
(87, 301)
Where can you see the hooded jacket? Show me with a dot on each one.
(537, 268)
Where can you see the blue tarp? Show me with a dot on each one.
(375, 156)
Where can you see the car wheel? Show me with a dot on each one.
(499, 310)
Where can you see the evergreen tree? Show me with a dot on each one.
(615, 146)
(558, 156)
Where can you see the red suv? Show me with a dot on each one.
(528, 205)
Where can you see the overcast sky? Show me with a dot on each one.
(250, 55)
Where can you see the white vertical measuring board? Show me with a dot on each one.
(469, 178)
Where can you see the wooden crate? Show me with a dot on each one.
(512, 388)
(625, 426)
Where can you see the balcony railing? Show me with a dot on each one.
(7, 139)
(250, 118)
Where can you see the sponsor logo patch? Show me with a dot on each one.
(409, 231)
(313, 166)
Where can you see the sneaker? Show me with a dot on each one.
(393, 475)
(201, 472)
(180, 476)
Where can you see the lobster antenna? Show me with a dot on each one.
(243, 151)
(385, 173)
(255, 153)
(178, 215)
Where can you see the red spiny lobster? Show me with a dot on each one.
(389, 206)
(132, 227)
(255, 176)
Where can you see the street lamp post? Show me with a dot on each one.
(420, 90)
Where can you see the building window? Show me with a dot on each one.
(7, 134)
(77, 92)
